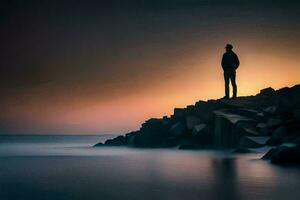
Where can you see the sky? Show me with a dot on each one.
(104, 67)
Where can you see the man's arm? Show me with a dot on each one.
(222, 62)
(237, 61)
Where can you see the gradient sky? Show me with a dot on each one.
(104, 67)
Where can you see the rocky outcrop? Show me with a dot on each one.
(271, 118)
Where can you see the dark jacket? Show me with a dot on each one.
(230, 61)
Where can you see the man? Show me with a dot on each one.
(230, 62)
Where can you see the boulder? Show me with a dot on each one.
(229, 128)
(202, 134)
(177, 129)
(117, 141)
(191, 121)
(277, 136)
(273, 152)
(252, 142)
(262, 128)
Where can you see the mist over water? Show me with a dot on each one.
(68, 167)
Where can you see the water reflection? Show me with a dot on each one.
(50, 171)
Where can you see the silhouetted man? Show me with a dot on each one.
(230, 62)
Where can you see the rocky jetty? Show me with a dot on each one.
(270, 118)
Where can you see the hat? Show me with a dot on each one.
(229, 46)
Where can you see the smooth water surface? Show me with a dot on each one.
(67, 167)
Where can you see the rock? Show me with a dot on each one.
(277, 136)
(274, 141)
(262, 128)
(267, 91)
(118, 141)
(280, 132)
(252, 142)
(287, 156)
(153, 133)
(177, 129)
(270, 110)
(100, 144)
(273, 122)
(273, 152)
(202, 134)
(192, 121)
(229, 128)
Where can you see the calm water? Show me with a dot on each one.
(67, 167)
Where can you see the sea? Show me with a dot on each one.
(70, 168)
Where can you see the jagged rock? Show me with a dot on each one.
(177, 129)
(229, 128)
(202, 134)
(273, 152)
(228, 122)
(277, 136)
(252, 142)
(192, 121)
(267, 91)
(200, 128)
(273, 122)
(262, 128)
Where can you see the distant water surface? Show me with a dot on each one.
(67, 167)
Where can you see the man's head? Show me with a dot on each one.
(228, 47)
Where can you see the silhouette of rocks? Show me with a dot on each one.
(271, 118)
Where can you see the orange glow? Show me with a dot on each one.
(189, 76)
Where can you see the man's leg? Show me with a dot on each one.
(226, 79)
(233, 83)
